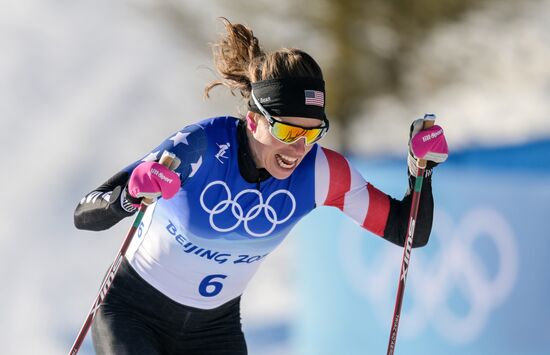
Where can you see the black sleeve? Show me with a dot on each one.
(103, 208)
(398, 218)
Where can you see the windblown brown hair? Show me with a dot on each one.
(240, 61)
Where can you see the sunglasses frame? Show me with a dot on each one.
(272, 120)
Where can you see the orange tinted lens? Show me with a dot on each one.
(290, 134)
(285, 133)
(312, 135)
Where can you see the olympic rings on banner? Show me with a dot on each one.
(459, 268)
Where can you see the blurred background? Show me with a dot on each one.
(89, 86)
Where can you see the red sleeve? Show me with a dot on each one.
(341, 186)
(379, 209)
(339, 179)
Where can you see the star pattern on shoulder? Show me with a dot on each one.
(180, 138)
(151, 156)
(195, 166)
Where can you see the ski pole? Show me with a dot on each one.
(166, 160)
(429, 120)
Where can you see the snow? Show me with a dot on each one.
(89, 86)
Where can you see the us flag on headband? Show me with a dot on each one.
(314, 97)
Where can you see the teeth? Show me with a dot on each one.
(285, 161)
(288, 159)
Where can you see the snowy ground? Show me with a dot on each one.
(88, 86)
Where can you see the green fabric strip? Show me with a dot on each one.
(418, 183)
(138, 219)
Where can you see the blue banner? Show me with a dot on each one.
(479, 287)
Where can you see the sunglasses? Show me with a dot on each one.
(290, 133)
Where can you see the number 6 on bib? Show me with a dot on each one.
(210, 288)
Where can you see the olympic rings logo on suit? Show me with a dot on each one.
(252, 214)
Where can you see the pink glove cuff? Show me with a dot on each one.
(430, 144)
(152, 179)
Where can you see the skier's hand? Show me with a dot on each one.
(428, 144)
(152, 180)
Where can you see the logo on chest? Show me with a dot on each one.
(258, 215)
(222, 151)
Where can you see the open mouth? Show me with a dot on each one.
(285, 161)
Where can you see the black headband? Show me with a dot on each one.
(295, 97)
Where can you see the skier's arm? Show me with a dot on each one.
(339, 185)
(120, 196)
(105, 206)
(395, 230)
(429, 144)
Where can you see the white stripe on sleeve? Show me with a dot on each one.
(322, 177)
(356, 203)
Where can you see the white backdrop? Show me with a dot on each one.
(88, 86)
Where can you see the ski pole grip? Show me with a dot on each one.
(429, 121)
(167, 159)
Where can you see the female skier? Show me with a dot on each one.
(241, 185)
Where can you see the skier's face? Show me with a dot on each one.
(278, 158)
